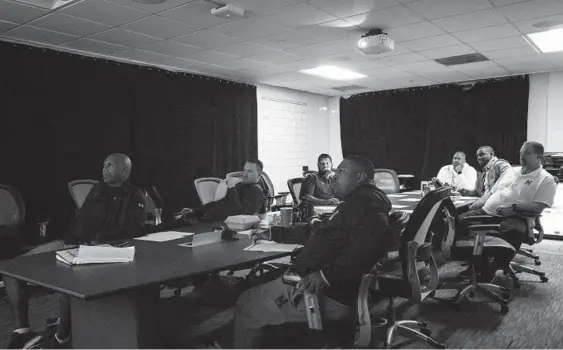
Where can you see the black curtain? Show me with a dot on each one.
(62, 114)
(417, 131)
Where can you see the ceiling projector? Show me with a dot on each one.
(375, 42)
(228, 11)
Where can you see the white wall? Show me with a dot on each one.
(294, 127)
(545, 110)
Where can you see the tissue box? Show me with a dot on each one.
(242, 222)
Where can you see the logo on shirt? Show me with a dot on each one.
(529, 182)
(140, 205)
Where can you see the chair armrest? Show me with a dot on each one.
(363, 332)
(484, 227)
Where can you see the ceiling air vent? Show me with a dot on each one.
(349, 88)
(462, 59)
(48, 4)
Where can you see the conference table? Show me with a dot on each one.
(407, 201)
(116, 305)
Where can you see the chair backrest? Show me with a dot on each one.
(234, 174)
(387, 180)
(206, 188)
(416, 244)
(12, 207)
(79, 190)
(267, 184)
(294, 186)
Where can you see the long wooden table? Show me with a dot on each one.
(115, 305)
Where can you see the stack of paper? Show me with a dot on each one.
(164, 236)
(95, 255)
(270, 246)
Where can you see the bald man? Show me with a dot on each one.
(459, 174)
(339, 251)
(114, 209)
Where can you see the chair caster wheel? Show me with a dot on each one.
(544, 279)
(504, 309)
(426, 331)
(537, 262)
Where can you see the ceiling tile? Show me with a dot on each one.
(124, 37)
(324, 48)
(509, 53)
(69, 25)
(44, 36)
(152, 8)
(103, 11)
(505, 2)
(243, 63)
(351, 7)
(285, 40)
(431, 43)
(527, 26)
(160, 27)
(4, 26)
(527, 64)
(171, 48)
(206, 39)
(401, 59)
(476, 67)
(330, 30)
(276, 57)
(257, 6)
(470, 20)
(433, 9)
(500, 44)
(210, 56)
(445, 75)
(424, 66)
(487, 33)
(196, 14)
(14, 12)
(213, 70)
(244, 49)
(248, 29)
(414, 31)
(142, 56)
(94, 46)
(449, 51)
(297, 15)
(387, 18)
(532, 9)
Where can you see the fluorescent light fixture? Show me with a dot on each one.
(333, 72)
(548, 41)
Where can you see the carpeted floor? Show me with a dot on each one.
(533, 321)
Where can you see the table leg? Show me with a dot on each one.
(124, 320)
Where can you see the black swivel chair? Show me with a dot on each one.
(294, 186)
(410, 281)
(387, 180)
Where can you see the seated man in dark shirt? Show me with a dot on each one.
(244, 196)
(114, 209)
(316, 188)
(340, 250)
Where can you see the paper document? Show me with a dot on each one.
(410, 199)
(395, 206)
(409, 211)
(164, 236)
(245, 232)
(468, 198)
(324, 209)
(269, 246)
(396, 195)
(95, 255)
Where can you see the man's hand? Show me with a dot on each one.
(260, 234)
(233, 181)
(312, 283)
(458, 168)
(333, 201)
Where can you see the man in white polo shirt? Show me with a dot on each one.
(459, 174)
(530, 190)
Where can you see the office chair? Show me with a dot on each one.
(206, 188)
(410, 281)
(294, 186)
(272, 199)
(12, 221)
(387, 180)
(79, 190)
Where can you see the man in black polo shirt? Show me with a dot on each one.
(340, 250)
(316, 188)
(114, 209)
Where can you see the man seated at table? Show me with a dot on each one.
(316, 188)
(244, 196)
(494, 170)
(114, 209)
(332, 262)
(531, 190)
(459, 174)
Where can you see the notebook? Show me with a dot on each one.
(95, 255)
